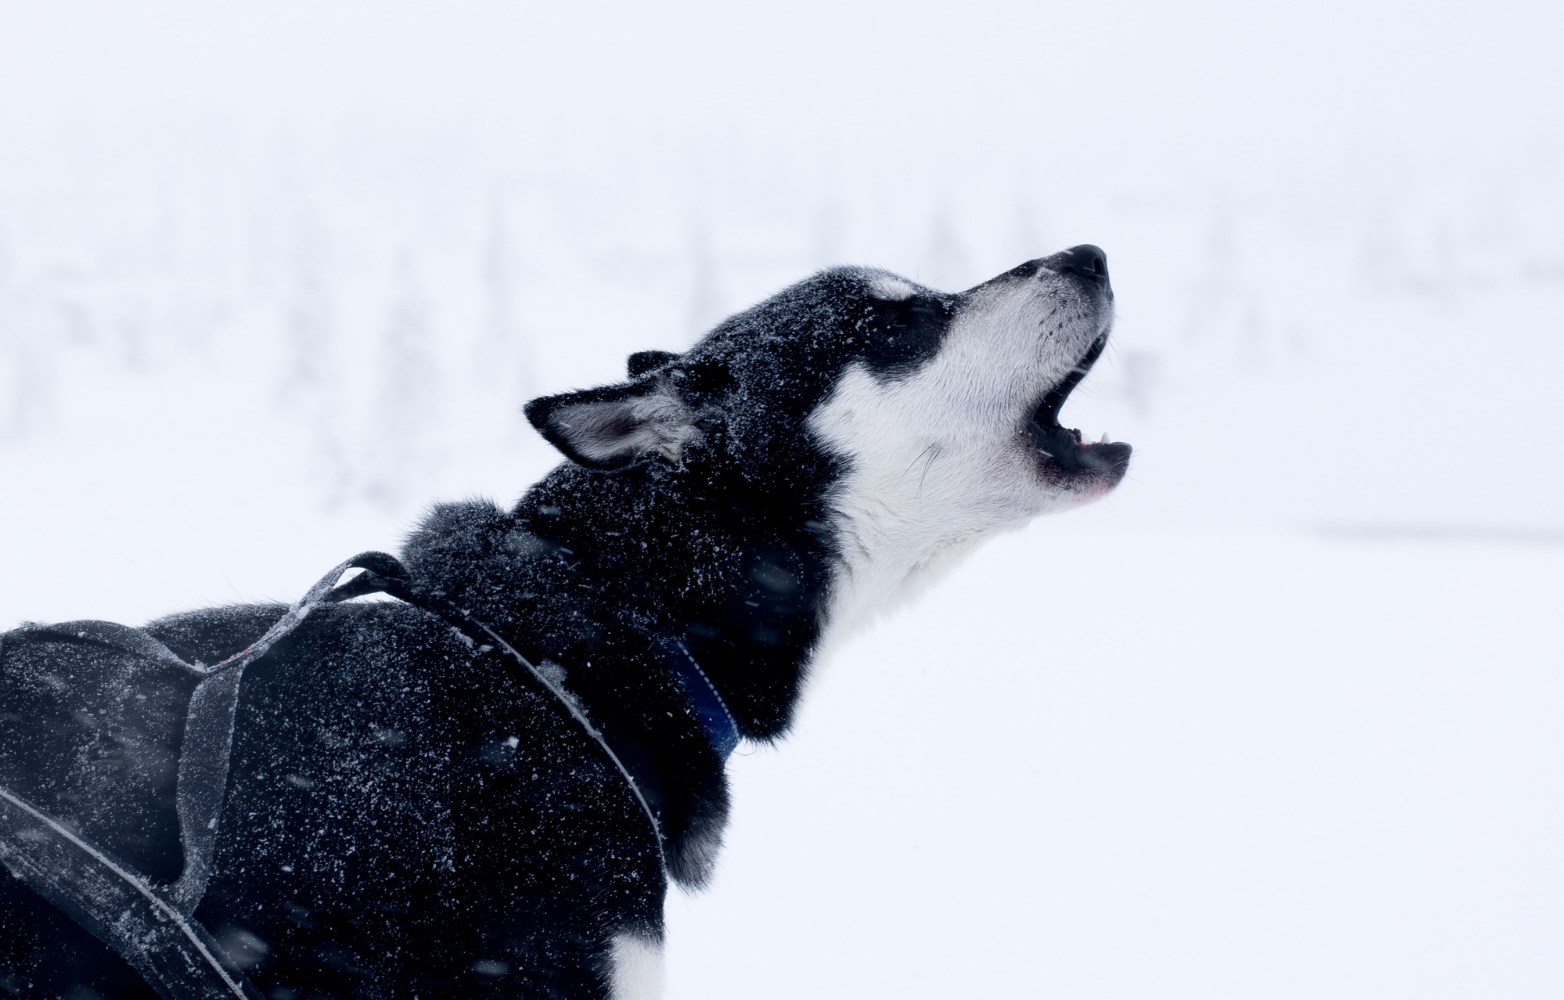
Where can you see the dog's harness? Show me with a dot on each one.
(152, 926)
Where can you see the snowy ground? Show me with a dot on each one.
(1276, 720)
(1171, 763)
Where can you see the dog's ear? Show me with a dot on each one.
(642, 362)
(611, 427)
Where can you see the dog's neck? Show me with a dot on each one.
(740, 583)
(651, 550)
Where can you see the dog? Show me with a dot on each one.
(405, 818)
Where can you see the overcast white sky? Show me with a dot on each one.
(1232, 82)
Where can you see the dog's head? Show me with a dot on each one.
(921, 421)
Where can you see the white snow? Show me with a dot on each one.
(1279, 718)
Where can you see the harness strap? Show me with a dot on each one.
(209, 734)
(391, 578)
(171, 950)
(150, 927)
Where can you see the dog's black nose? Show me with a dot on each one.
(1085, 260)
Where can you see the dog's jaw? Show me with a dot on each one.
(941, 459)
(905, 508)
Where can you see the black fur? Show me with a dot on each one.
(405, 820)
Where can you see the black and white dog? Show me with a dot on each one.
(404, 819)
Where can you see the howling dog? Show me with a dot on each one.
(481, 789)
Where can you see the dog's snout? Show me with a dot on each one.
(1085, 261)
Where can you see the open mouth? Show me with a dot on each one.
(1060, 447)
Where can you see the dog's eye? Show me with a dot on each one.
(902, 336)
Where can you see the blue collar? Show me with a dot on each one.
(720, 725)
